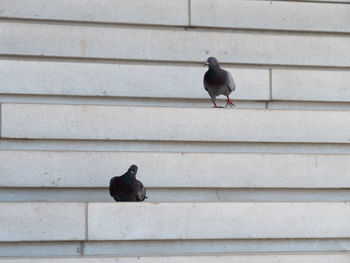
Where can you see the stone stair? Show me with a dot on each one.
(235, 258)
(89, 87)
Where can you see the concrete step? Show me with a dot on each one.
(124, 80)
(223, 14)
(171, 247)
(69, 194)
(39, 221)
(172, 221)
(310, 85)
(218, 220)
(134, 11)
(172, 82)
(87, 122)
(319, 1)
(285, 15)
(177, 45)
(224, 258)
(165, 170)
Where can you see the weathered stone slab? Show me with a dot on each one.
(109, 11)
(123, 80)
(311, 85)
(173, 45)
(42, 121)
(42, 221)
(233, 258)
(162, 221)
(275, 15)
(174, 170)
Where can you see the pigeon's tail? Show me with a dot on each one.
(141, 195)
(141, 198)
(230, 83)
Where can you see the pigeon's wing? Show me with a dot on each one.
(205, 83)
(112, 190)
(141, 194)
(229, 82)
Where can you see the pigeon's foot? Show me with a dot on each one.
(216, 106)
(229, 102)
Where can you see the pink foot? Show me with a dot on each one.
(229, 102)
(216, 106)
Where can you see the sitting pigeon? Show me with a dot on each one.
(218, 81)
(127, 187)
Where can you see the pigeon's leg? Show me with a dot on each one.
(216, 106)
(229, 102)
(213, 99)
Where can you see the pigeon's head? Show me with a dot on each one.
(211, 61)
(133, 169)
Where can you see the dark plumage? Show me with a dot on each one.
(127, 187)
(218, 81)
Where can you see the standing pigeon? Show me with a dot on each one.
(218, 81)
(127, 187)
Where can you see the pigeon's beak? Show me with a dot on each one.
(206, 63)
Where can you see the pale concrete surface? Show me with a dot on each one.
(311, 85)
(174, 170)
(308, 105)
(129, 101)
(111, 11)
(162, 221)
(173, 146)
(43, 249)
(42, 221)
(172, 102)
(325, 1)
(172, 124)
(170, 247)
(173, 45)
(284, 15)
(124, 80)
(233, 258)
(170, 44)
(176, 247)
(60, 194)
(178, 221)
